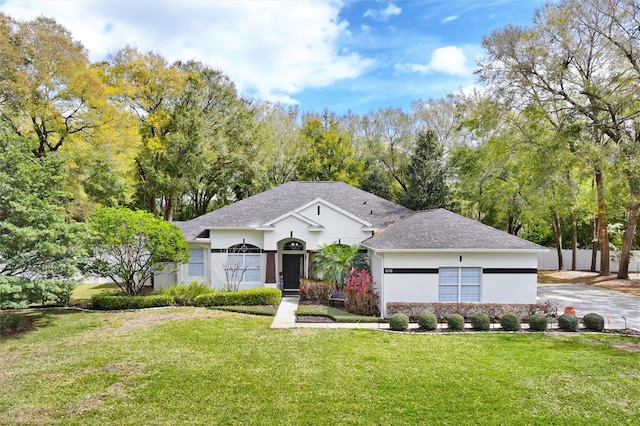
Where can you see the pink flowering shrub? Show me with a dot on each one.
(360, 296)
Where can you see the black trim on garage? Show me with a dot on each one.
(510, 270)
(410, 270)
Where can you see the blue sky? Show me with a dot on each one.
(341, 55)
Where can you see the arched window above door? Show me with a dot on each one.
(293, 246)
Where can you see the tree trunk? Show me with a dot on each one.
(627, 238)
(557, 236)
(594, 246)
(603, 236)
(574, 242)
(169, 207)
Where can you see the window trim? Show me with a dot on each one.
(247, 251)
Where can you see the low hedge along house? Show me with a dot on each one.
(429, 256)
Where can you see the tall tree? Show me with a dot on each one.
(40, 244)
(565, 63)
(388, 135)
(53, 97)
(426, 176)
(329, 155)
(196, 132)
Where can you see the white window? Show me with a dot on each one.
(196, 263)
(459, 285)
(243, 261)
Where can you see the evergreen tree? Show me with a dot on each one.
(426, 186)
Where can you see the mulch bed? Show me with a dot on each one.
(313, 318)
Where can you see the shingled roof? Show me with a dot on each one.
(254, 211)
(441, 229)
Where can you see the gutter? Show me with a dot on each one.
(382, 304)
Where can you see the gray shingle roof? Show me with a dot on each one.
(442, 229)
(273, 203)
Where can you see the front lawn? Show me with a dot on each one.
(203, 366)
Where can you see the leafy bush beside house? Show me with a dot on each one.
(360, 295)
(185, 294)
(316, 291)
(333, 262)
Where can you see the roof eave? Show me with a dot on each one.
(454, 250)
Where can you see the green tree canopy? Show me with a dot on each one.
(130, 246)
(426, 184)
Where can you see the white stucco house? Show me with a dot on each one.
(427, 256)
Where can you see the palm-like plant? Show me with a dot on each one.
(334, 261)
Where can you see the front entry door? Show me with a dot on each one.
(292, 267)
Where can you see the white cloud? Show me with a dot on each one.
(447, 60)
(449, 19)
(270, 49)
(383, 14)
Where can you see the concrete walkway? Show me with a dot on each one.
(611, 304)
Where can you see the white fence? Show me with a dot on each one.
(549, 260)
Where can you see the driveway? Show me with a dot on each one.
(586, 298)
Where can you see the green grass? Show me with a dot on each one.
(81, 295)
(255, 310)
(338, 315)
(203, 366)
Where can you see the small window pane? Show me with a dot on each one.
(196, 256)
(196, 263)
(235, 259)
(252, 260)
(448, 275)
(252, 276)
(448, 293)
(470, 293)
(470, 276)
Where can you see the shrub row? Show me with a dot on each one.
(509, 322)
(248, 297)
(114, 302)
(442, 311)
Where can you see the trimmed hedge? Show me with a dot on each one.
(427, 321)
(538, 322)
(316, 291)
(568, 322)
(248, 297)
(480, 321)
(510, 322)
(455, 322)
(109, 302)
(593, 321)
(399, 322)
(443, 310)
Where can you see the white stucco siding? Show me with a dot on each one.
(225, 238)
(506, 277)
(288, 227)
(376, 269)
(337, 225)
(166, 278)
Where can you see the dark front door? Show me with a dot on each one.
(292, 267)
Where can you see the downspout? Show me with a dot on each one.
(382, 304)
